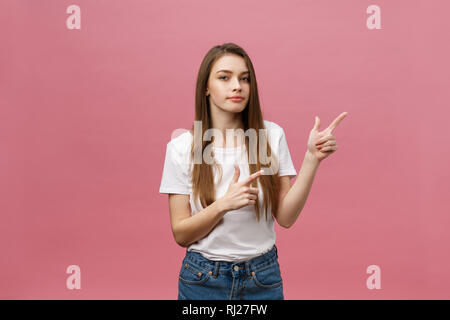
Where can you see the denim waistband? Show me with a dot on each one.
(214, 267)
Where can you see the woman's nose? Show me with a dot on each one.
(236, 84)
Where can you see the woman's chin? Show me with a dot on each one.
(236, 108)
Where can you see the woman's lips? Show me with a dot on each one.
(236, 99)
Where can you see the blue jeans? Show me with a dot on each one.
(255, 279)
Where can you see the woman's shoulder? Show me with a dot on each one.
(181, 141)
(271, 124)
(273, 128)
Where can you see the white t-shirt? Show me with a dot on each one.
(240, 236)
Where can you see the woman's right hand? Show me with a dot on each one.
(240, 194)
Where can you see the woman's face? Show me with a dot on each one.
(229, 77)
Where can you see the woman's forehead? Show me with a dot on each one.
(231, 63)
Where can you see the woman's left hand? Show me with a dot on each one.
(322, 144)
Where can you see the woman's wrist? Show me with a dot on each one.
(311, 158)
(221, 206)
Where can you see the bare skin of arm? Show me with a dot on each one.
(188, 229)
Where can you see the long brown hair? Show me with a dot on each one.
(202, 173)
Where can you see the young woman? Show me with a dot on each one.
(225, 190)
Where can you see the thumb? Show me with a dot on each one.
(237, 173)
(317, 124)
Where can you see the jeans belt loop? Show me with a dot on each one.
(216, 269)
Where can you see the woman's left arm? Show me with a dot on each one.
(320, 146)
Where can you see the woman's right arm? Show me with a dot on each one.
(188, 229)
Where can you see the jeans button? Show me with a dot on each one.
(236, 268)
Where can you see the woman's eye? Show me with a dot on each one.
(248, 79)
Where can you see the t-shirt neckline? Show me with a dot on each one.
(227, 150)
(223, 150)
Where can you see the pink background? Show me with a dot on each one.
(86, 114)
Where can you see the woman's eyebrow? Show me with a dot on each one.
(228, 71)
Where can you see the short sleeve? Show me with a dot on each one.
(175, 178)
(286, 166)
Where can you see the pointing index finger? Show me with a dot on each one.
(252, 177)
(336, 121)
